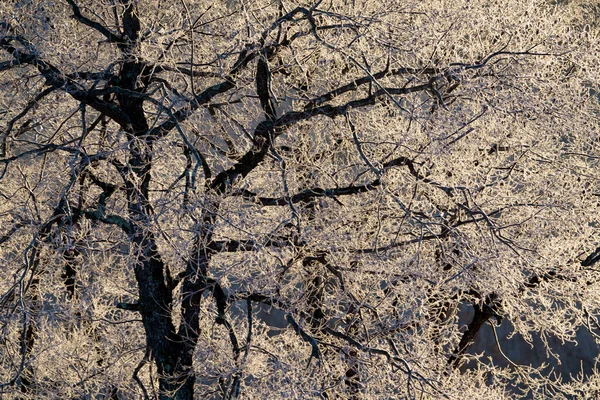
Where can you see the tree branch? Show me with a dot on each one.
(482, 313)
(128, 306)
(369, 79)
(110, 36)
(58, 80)
(231, 245)
(30, 105)
(309, 194)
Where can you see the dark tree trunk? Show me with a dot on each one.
(172, 351)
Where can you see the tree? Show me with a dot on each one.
(171, 173)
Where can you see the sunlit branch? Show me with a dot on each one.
(290, 311)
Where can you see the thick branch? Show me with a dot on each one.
(110, 219)
(6, 65)
(231, 245)
(592, 259)
(368, 79)
(58, 80)
(309, 194)
(203, 97)
(483, 313)
(128, 306)
(315, 352)
(110, 36)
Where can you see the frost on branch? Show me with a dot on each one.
(344, 199)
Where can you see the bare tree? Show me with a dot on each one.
(171, 174)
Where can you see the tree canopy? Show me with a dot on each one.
(256, 199)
